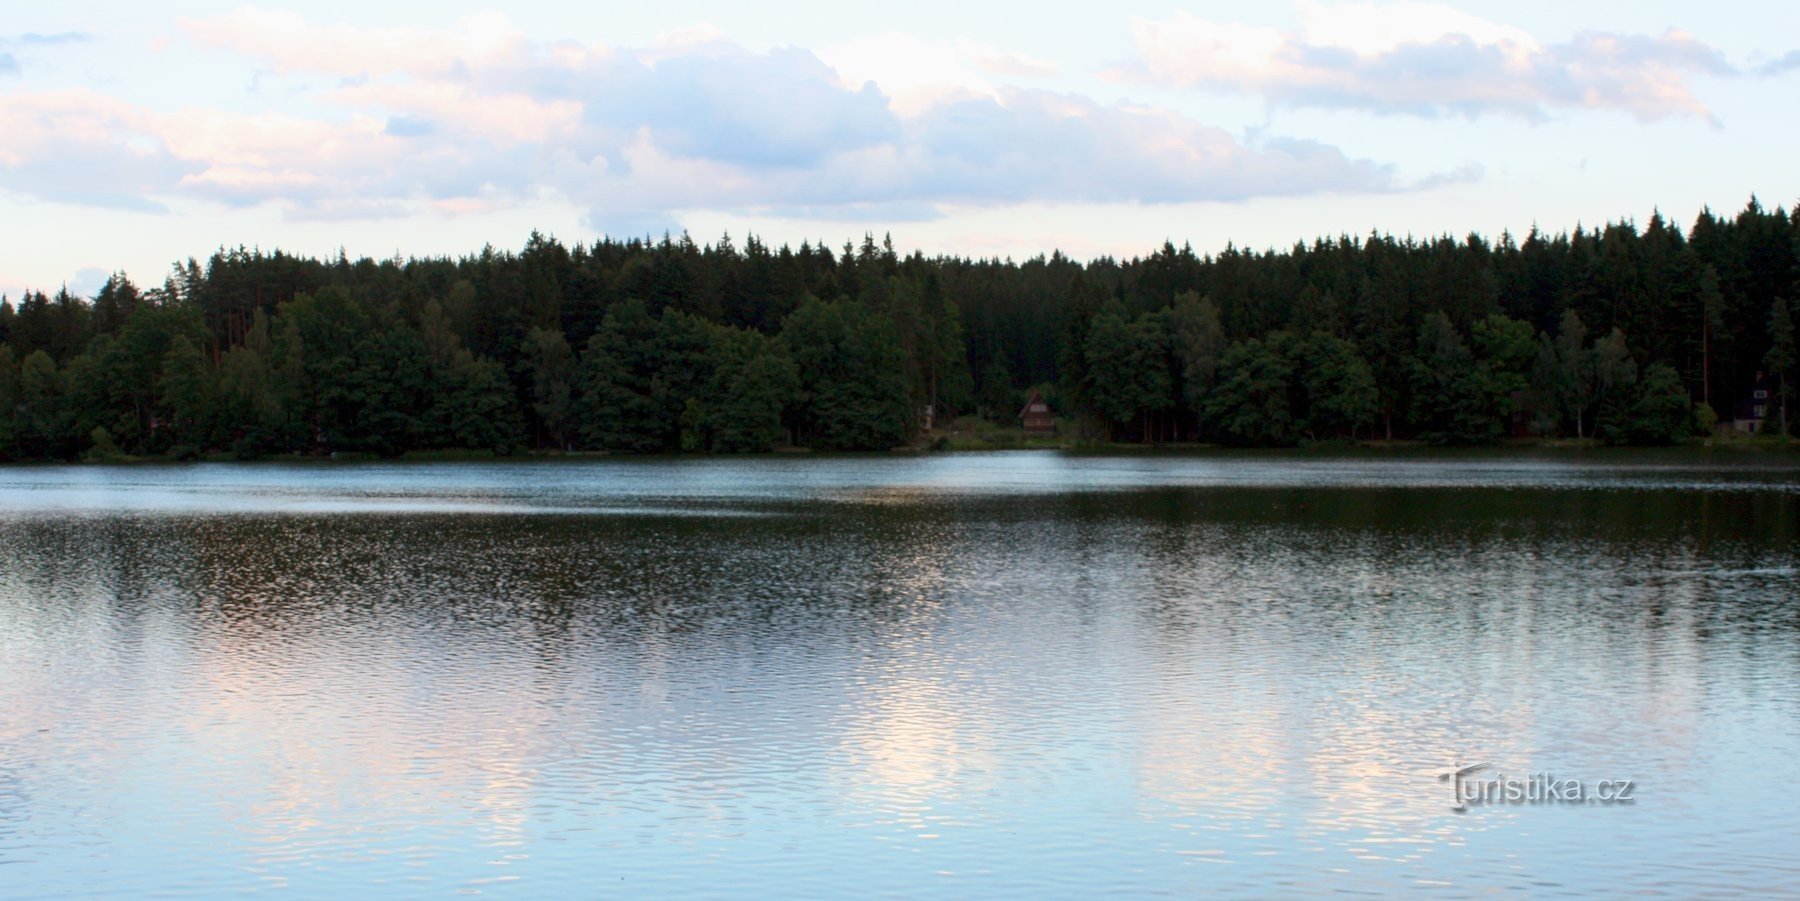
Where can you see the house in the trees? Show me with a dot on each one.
(1750, 412)
(1036, 415)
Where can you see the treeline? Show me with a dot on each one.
(1624, 334)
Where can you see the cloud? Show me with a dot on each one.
(1462, 175)
(784, 109)
(51, 40)
(625, 224)
(916, 73)
(409, 126)
(1782, 66)
(1041, 146)
(1425, 59)
(82, 147)
(287, 41)
(87, 282)
(477, 118)
(1029, 146)
(9, 64)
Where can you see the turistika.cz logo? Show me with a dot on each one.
(1473, 790)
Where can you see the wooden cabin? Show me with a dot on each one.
(1751, 413)
(1036, 416)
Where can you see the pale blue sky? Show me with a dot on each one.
(138, 134)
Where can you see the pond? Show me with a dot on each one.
(1005, 674)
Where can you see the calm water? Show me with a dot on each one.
(983, 675)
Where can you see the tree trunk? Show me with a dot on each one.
(1705, 363)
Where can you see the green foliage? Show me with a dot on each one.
(1199, 343)
(9, 403)
(1339, 388)
(1253, 404)
(1452, 396)
(101, 447)
(929, 328)
(660, 345)
(474, 407)
(1563, 375)
(1615, 385)
(1780, 358)
(1075, 322)
(552, 366)
(1000, 401)
(1129, 374)
(42, 421)
(249, 400)
(1706, 419)
(1507, 348)
(853, 387)
(188, 393)
(1660, 413)
(625, 383)
(753, 385)
(1281, 389)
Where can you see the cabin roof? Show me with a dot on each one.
(1035, 398)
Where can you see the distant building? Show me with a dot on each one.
(1750, 412)
(1036, 415)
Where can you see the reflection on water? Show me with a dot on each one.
(994, 674)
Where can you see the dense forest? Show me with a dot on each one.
(1619, 334)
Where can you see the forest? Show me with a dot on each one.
(1618, 334)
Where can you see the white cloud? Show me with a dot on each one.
(87, 281)
(1425, 59)
(1788, 62)
(1370, 28)
(287, 41)
(78, 146)
(915, 73)
(478, 118)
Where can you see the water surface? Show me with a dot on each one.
(990, 674)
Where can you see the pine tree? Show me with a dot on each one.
(999, 399)
(187, 394)
(1780, 357)
(853, 379)
(1712, 326)
(1574, 370)
(626, 403)
(1252, 403)
(1199, 343)
(1660, 414)
(552, 367)
(1340, 392)
(40, 422)
(1615, 381)
(9, 403)
(1450, 401)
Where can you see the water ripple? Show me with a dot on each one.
(998, 675)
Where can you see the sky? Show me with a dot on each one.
(135, 135)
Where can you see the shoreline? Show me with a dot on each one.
(961, 447)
